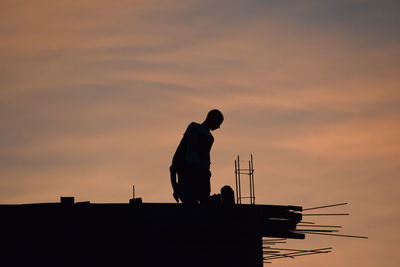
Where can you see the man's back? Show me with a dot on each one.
(199, 141)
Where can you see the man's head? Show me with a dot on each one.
(214, 119)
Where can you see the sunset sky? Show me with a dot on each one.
(95, 96)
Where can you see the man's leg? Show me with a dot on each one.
(204, 187)
(187, 186)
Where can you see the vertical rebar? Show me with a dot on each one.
(250, 173)
(238, 172)
(236, 181)
(250, 183)
(252, 178)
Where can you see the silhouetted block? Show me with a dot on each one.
(296, 208)
(227, 195)
(67, 200)
(215, 199)
(135, 200)
(83, 203)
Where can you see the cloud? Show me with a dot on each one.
(96, 95)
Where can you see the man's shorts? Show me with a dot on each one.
(194, 184)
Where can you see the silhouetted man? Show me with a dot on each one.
(191, 161)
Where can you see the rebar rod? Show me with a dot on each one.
(240, 192)
(326, 214)
(252, 177)
(327, 206)
(302, 250)
(236, 180)
(294, 255)
(317, 230)
(351, 236)
(315, 225)
(250, 185)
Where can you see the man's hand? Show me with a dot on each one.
(174, 184)
(176, 196)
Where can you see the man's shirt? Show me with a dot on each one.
(199, 141)
(194, 147)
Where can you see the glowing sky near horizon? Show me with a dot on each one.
(95, 96)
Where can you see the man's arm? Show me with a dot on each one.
(177, 163)
(174, 183)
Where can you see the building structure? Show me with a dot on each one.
(142, 234)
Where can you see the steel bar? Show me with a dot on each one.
(302, 250)
(352, 236)
(317, 230)
(326, 214)
(275, 241)
(292, 255)
(250, 185)
(296, 255)
(327, 206)
(314, 225)
(252, 177)
(270, 252)
(236, 180)
(240, 192)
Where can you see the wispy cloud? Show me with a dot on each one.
(94, 96)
